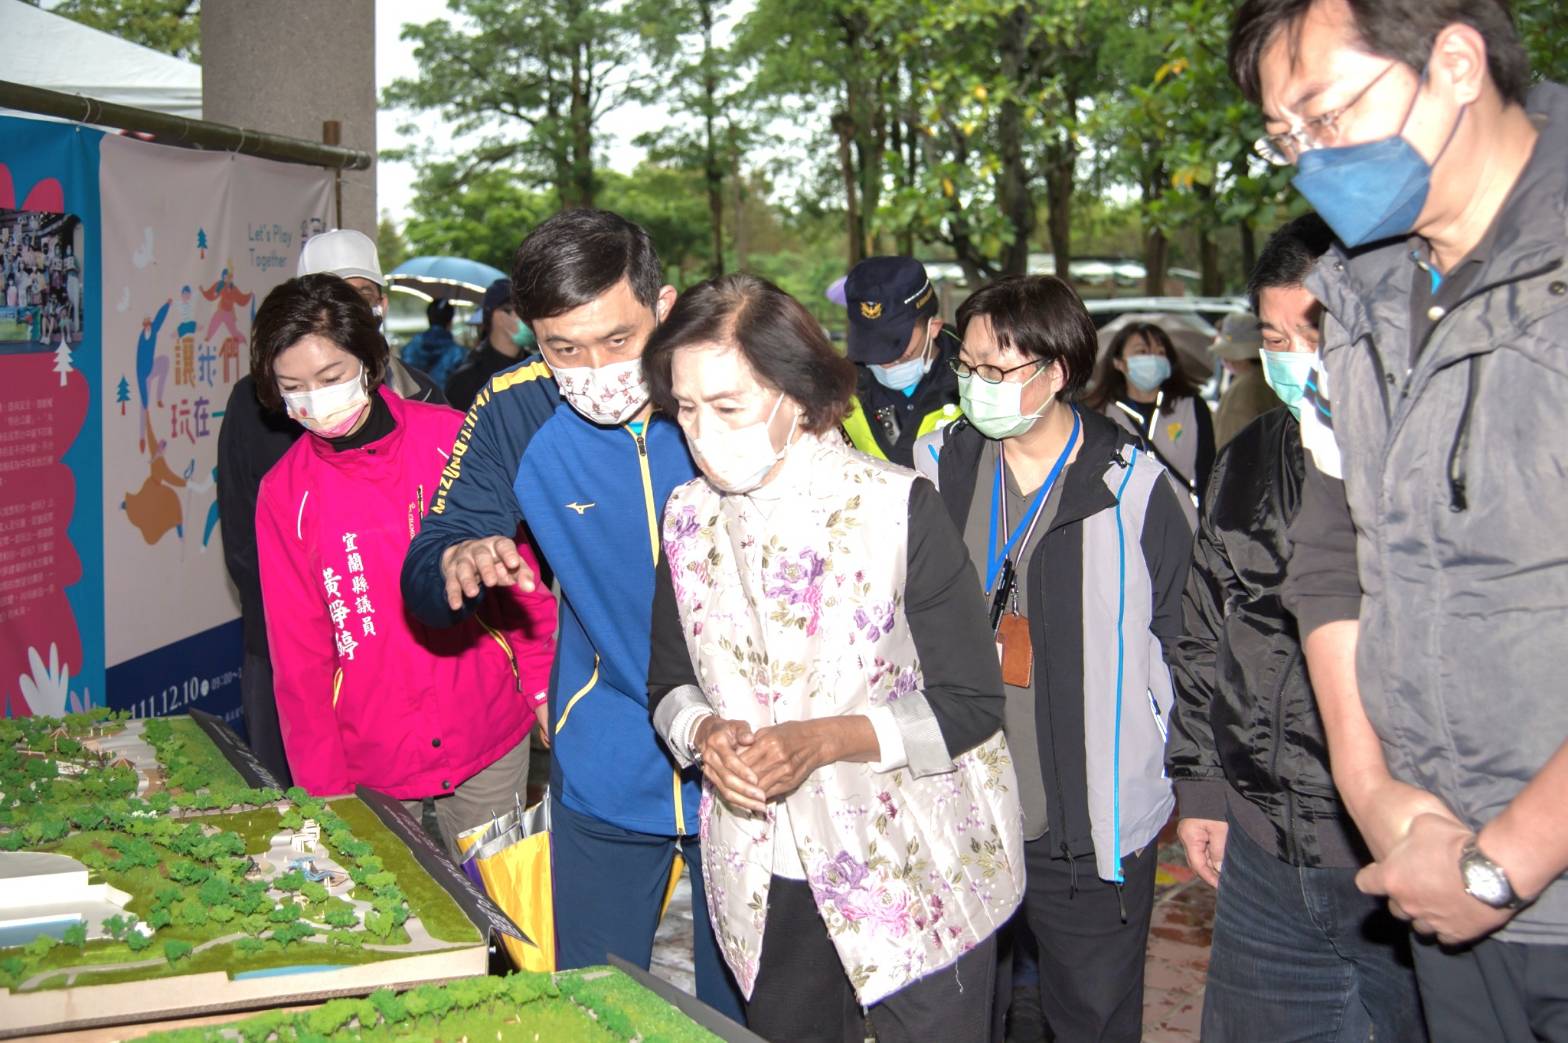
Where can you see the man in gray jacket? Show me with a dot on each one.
(1415, 135)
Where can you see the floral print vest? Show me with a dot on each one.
(802, 617)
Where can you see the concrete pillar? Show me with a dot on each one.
(286, 66)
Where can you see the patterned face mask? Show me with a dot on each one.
(332, 410)
(610, 394)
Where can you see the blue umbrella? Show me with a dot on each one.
(454, 278)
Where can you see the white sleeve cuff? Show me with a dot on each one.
(683, 728)
(890, 740)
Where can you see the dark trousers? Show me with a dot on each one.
(609, 886)
(1093, 938)
(261, 717)
(803, 994)
(1300, 954)
(1505, 992)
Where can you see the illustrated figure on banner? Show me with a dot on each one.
(227, 295)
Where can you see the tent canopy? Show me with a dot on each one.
(50, 50)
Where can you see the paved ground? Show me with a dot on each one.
(1178, 950)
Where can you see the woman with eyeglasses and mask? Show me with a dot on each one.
(366, 694)
(1082, 547)
(1139, 384)
(820, 649)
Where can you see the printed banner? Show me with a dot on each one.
(130, 274)
(192, 242)
(51, 535)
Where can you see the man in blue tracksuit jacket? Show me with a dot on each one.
(566, 443)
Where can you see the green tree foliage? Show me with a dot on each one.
(76, 936)
(699, 87)
(175, 950)
(391, 247)
(170, 26)
(136, 941)
(534, 80)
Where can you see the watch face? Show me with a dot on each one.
(1486, 884)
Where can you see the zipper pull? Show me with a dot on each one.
(642, 445)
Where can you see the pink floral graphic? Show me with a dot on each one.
(797, 582)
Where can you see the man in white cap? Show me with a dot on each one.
(1236, 345)
(250, 441)
(351, 256)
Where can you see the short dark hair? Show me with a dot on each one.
(439, 312)
(777, 336)
(1403, 30)
(1289, 255)
(1040, 315)
(576, 256)
(1110, 383)
(320, 304)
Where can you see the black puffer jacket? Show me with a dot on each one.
(1246, 722)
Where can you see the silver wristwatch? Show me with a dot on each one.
(1485, 880)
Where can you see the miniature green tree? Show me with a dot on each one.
(191, 913)
(290, 882)
(342, 916)
(11, 970)
(284, 912)
(39, 947)
(76, 936)
(160, 917)
(136, 941)
(314, 892)
(249, 946)
(175, 950)
(290, 933)
(389, 1005)
(115, 927)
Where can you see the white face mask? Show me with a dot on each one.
(738, 459)
(610, 394)
(329, 411)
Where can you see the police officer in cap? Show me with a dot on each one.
(903, 349)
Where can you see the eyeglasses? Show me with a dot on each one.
(1317, 132)
(989, 374)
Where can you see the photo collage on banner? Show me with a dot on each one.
(51, 570)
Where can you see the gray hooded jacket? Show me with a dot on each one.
(1454, 455)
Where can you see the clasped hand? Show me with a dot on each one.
(748, 769)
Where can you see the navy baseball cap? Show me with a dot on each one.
(885, 298)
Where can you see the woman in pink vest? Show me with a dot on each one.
(820, 647)
(367, 695)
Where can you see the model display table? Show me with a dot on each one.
(148, 871)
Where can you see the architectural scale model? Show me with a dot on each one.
(594, 1005)
(141, 878)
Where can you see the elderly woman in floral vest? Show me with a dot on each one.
(820, 649)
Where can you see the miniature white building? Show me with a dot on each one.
(41, 893)
(307, 838)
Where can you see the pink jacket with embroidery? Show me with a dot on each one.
(368, 695)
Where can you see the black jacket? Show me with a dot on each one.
(250, 441)
(1055, 610)
(1246, 722)
(484, 362)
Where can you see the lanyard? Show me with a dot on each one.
(994, 557)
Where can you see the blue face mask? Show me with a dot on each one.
(1286, 372)
(1148, 372)
(1370, 191)
(904, 376)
